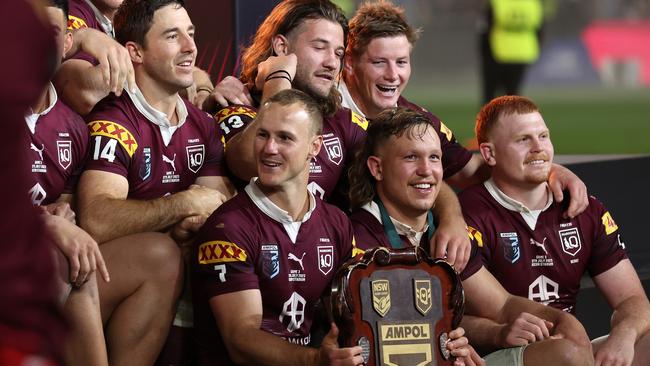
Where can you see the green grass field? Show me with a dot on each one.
(582, 121)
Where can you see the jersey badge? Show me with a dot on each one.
(37, 194)
(195, 157)
(608, 223)
(381, 296)
(270, 260)
(145, 168)
(76, 23)
(294, 310)
(334, 150)
(446, 131)
(325, 258)
(359, 120)
(570, 239)
(475, 235)
(218, 251)
(114, 131)
(64, 153)
(511, 247)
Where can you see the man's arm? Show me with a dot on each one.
(562, 179)
(239, 316)
(631, 318)
(474, 172)
(106, 213)
(450, 237)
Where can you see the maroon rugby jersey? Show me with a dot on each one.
(125, 141)
(241, 247)
(544, 264)
(55, 152)
(81, 15)
(342, 133)
(454, 155)
(369, 233)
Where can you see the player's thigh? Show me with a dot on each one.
(136, 260)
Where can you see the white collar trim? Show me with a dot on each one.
(347, 100)
(530, 216)
(271, 210)
(31, 118)
(103, 20)
(157, 117)
(412, 235)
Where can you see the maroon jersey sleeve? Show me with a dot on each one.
(234, 119)
(454, 155)
(80, 15)
(608, 247)
(112, 141)
(225, 258)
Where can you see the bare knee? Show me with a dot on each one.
(160, 258)
(570, 353)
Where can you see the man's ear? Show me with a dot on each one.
(347, 64)
(135, 52)
(488, 153)
(374, 165)
(316, 145)
(280, 45)
(67, 43)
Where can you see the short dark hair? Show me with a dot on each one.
(63, 5)
(134, 17)
(499, 107)
(284, 18)
(390, 122)
(374, 20)
(288, 97)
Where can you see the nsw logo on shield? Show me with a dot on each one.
(64, 152)
(195, 156)
(511, 248)
(270, 260)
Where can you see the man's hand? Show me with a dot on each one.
(450, 240)
(527, 328)
(616, 351)
(274, 64)
(114, 60)
(562, 179)
(82, 252)
(201, 201)
(61, 209)
(183, 232)
(460, 348)
(230, 90)
(329, 353)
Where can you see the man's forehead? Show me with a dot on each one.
(313, 29)
(171, 16)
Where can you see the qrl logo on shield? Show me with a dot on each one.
(64, 152)
(195, 156)
(570, 239)
(325, 258)
(334, 150)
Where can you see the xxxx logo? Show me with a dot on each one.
(115, 131)
(220, 252)
(234, 110)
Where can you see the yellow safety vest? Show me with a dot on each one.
(513, 37)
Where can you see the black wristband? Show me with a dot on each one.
(279, 77)
(285, 75)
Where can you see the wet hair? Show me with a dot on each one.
(63, 5)
(289, 97)
(375, 20)
(284, 18)
(134, 17)
(497, 108)
(391, 122)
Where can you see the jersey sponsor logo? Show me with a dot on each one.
(570, 239)
(294, 258)
(446, 131)
(422, 293)
(38, 151)
(511, 248)
(539, 245)
(325, 258)
(296, 275)
(334, 150)
(171, 162)
(294, 310)
(356, 251)
(608, 223)
(543, 290)
(64, 153)
(218, 251)
(475, 235)
(233, 118)
(359, 120)
(76, 23)
(114, 131)
(195, 157)
(380, 296)
(37, 194)
(38, 166)
(145, 168)
(270, 260)
(316, 190)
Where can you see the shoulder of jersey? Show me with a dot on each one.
(231, 110)
(76, 23)
(114, 131)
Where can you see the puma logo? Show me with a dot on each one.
(40, 152)
(296, 259)
(170, 161)
(538, 244)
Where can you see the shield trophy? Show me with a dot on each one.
(399, 305)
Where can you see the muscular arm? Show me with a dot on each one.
(81, 85)
(106, 213)
(450, 236)
(239, 316)
(474, 172)
(486, 298)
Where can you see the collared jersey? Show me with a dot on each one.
(249, 243)
(544, 263)
(129, 138)
(56, 150)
